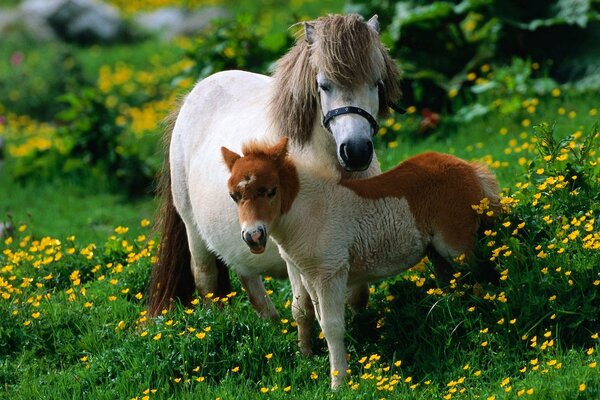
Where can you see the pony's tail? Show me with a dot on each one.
(171, 275)
(491, 190)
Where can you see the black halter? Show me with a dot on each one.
(350, 110)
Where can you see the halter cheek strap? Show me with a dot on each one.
(350, 110)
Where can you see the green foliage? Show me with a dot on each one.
(90, 144)
(235, 44)
(29, 78)
(439, 43)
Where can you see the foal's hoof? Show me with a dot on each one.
(269, 314)
(306, 351)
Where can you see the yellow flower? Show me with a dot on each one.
(121, 230)
(269, 356)
(157, 336)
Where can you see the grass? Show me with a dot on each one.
(73, 279)
(74, 325)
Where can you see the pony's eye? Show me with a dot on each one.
(235, 197)
(324, 87)
(272, 192)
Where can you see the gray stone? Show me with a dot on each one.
(173, 21)
(83, 21)
(87, 21)
(9, 20)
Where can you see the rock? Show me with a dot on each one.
(6, 230)
(170, 22)
(9, 20)
(166, 22)
(201, 19)
(87, 21)
(80, 21)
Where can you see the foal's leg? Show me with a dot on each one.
(358, 296)
(257, 294)
(442, 267)
(331, 292)
(302, 310)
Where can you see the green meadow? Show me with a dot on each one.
(74, 269)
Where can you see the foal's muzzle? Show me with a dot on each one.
(255, 238)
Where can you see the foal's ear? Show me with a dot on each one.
(230, 157)
(373, 23)
(280, 150)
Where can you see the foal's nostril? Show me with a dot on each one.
(255, 237)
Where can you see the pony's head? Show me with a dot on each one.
(338, 71)
(263, 184)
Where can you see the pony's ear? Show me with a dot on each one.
(373, 23)
(280, 150)
(309, 32)
(230, 157)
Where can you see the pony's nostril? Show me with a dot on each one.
(344, 152)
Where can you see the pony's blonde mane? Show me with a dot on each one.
(348, 52)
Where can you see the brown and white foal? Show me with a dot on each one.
(333, 233)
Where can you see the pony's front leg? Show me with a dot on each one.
(257, 294)
(302, 310)
(331, 291)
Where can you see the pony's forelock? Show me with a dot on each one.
(348, 52)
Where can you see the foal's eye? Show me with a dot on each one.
(235, 197)
(272, 192)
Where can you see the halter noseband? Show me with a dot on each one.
(336, 112)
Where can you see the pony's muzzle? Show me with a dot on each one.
(255, 238)
(356, 154)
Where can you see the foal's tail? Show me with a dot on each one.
(491, 190)
(171, 275)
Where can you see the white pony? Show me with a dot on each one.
(334, 233)
(323, 95)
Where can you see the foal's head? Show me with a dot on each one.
(263, 184)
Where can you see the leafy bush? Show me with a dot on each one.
(235, 44)
(440, 43)
(91, 143)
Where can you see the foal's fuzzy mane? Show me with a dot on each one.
(261, 149)
(349, 52)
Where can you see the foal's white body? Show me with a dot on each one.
(228, 109)
(338, 233)
(322, 259)
(373, 239)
